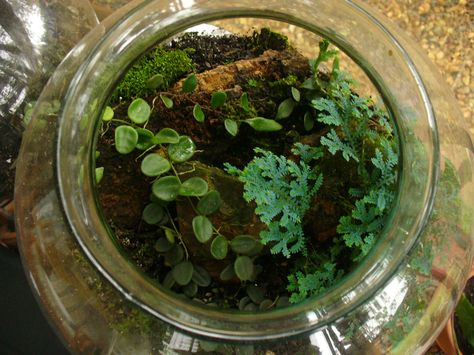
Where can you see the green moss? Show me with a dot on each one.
(288, 81)
(171, 64)
(267, 39)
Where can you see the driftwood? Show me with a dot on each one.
(267, 65)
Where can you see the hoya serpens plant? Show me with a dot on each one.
(283, 188)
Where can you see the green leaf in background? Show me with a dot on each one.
(231, 126)
(285, 109)
(194, 186)
(295, 93)
(139, 111)
(243, 244)
(228, 273)
(166, 101)
(243, 267)
(209, 203)
(465, 314)
(145, 138)
(219, 247)
(218, 99)
(153, 213)
(190, 289)
(154, 164)
(202, 228)
(162, 245)
(256, 294)
(263, 124)
(244, 101)
(108, 114)
(183, 272)
(175, 255)
(166, 188)
(166, 136)
(99, 174)
(190, 83)
(182, 150)
(308, 121)
(198, 113)
(201, 277)
(126, 139)
(155, 82)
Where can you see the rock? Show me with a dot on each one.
(235, 216)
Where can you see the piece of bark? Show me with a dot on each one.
(234, 217)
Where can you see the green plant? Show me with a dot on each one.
(156, 70)
(282, 190)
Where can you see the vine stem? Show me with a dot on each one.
(180, 237)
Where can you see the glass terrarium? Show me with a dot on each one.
(413, 238)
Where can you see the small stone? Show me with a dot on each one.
(439, 55)
(424, 8)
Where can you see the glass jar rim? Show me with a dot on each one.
(194, 318)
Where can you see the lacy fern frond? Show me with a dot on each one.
(282, 190)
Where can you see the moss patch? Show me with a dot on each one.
(171, 64)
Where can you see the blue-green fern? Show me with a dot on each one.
(282, 190)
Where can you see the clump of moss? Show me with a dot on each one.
(268, 39)
(170, 64)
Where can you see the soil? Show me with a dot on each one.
(9, 148)
(227, 63)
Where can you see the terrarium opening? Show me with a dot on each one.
(239, 177)
(239, 173)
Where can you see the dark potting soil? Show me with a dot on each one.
(9, 148)
(125, 191)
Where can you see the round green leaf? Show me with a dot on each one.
(283, 301)
(263, 124)
(190, 289)
(190, 83)
(202, 228)
(139, 111)
(231, 126)
(198, 113)
(244, 102)
(154, 164)
(145, 138)
(201, 277)
(308, 121)
(182, 150)
(218, 99)
(108, 114)
(219, 247)
(194, 186)
(243, 244)
(243, 267)
(166, 188)
(166, 136)
(162, 245)
(285, 108)
(296, 94)
(243, 302)
(175, 255)
(183, 272)
(153, 213)
(256, 294)
(155, 82)
(99, 174)
(266, 304)
(228, 273)
(166, 101)
(209, 203)
(169, 281)
(126, 139)
(169, 233)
